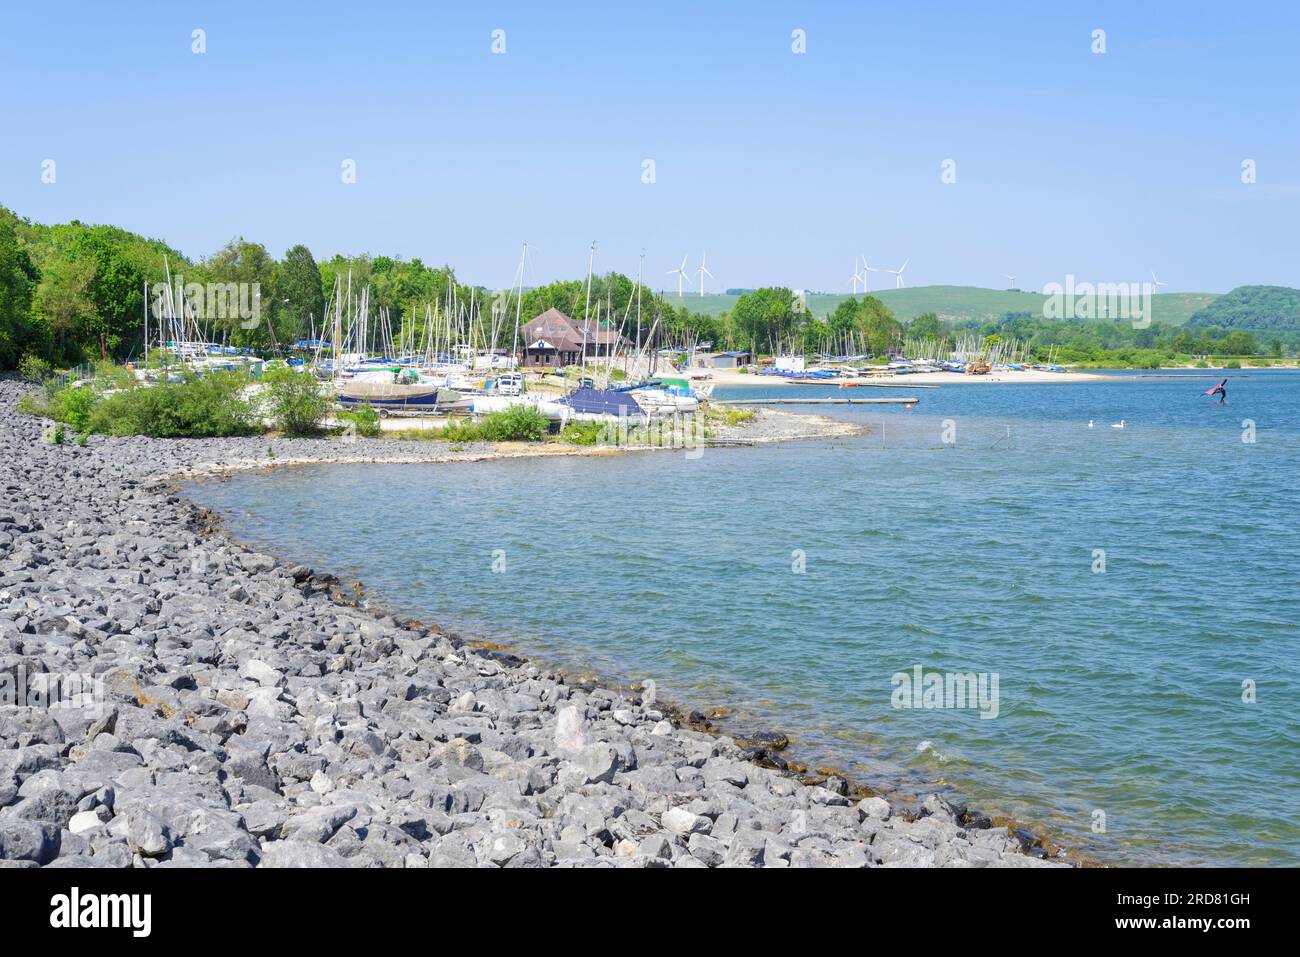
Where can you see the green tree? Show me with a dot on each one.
(765, 319)
(298, 286)
(927, 325)
(250, 268)
(17, 280)
(1238, 343)
(65, 306)
(880, 331)
(116, 289)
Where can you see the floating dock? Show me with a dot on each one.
(860, 384)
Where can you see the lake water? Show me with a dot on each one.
(1128, 588)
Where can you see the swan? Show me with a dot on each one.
(1090, 423)
(1117, 425)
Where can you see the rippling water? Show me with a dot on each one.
(1120, 691)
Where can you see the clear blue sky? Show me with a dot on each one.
(783, 167)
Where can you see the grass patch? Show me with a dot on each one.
(582, 433)
(729, 416)
(417, 435)
(364, 419)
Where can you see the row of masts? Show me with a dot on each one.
(449, 328)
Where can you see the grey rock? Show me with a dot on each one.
(147, 834)
(294, 853)
(22, 840)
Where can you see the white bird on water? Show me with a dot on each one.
(1117, 425)
(1090, 423)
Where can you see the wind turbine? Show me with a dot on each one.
(857, 278)
(1156, 281)
(866, 279)
(702, 271)
(681, 275)
(898, 273)
(1010, 278)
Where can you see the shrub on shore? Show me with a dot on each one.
(34, 368)
(462, 431)
(73, 405)
(519, 423)
(364, 419)
(210, 406)
(294, 401)
(582, 433)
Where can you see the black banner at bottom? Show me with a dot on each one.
(179, 906)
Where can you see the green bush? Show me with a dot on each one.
(462, 431)
(73, 405)
(364, 418)
(519, 423)
(110, 375)
(582, 433)
(199, 407)
(293, 400)
(56, 435)
(30, 404)
(1232, 364)
(34, 368)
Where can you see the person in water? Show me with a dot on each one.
(1220, 390)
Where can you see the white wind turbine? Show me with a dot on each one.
(703, 270)
(1010, 278)
(1156, 281)
(866, 279)
(858, 278)
(681, 275)
(898, 273)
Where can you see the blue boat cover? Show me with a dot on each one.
(602, 401)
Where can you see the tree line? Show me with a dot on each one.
(74, 292)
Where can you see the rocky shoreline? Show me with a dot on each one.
(243, 713)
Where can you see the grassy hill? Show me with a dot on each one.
(959, 303)
(1253, 307)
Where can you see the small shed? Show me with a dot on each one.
(730, 360)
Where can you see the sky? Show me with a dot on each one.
(783, 166)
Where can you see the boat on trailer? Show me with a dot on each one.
(390, 397)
